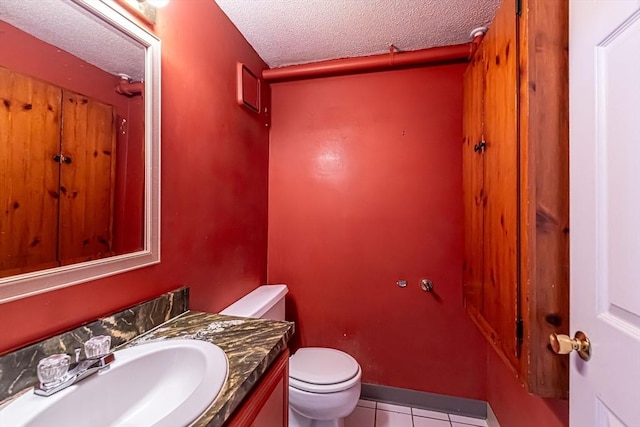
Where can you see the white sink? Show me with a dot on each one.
(166, 383)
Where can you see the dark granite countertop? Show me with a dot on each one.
(251, 346)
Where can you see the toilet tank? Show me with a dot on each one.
(264, 302)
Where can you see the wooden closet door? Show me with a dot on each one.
(29, 177)
(500, 290)
(473, 182)
(87, 179)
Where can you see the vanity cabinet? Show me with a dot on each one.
(268, 403)
(516, 190)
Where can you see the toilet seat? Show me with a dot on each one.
(323, 370)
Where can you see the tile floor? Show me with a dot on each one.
(377, 414)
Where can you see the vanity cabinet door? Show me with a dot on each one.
(272, 413)
(268, 403)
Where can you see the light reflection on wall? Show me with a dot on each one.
(330, 162)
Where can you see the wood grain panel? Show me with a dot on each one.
(500, 302)
(544, 141)
(473, 181)
(87, 182)
(526, 188)
(30, 137)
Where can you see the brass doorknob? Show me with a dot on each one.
(564, 344)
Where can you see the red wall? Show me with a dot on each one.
(365, 189)
(513, 406)
(214, 187)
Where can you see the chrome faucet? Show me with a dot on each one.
(56, 373)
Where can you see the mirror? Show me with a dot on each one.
(79, 146)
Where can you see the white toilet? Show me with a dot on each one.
(324, 383)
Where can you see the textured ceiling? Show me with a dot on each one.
(71, 28)
(286, 32)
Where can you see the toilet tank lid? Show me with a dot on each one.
(257, 302)
(322, 366)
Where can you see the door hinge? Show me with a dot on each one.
(519, 330)
(518, 7)
(519, 337)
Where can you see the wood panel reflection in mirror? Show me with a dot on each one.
(79, 160)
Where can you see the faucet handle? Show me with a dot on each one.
(97, 346)
(53, 369)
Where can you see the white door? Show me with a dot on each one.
(604, 83)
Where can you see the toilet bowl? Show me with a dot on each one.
(324, 387)
(324, 383)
